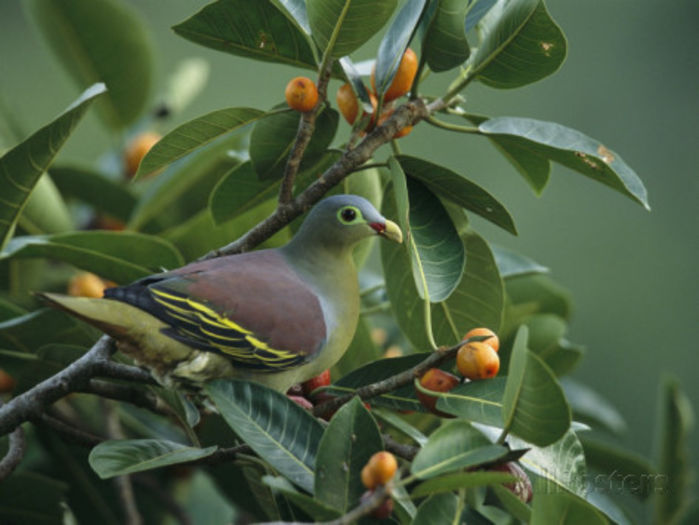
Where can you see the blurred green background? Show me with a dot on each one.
(631, 80)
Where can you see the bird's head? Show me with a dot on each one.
(345, 220)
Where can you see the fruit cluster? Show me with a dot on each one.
(379, 471)
(474, 361)
(302, 95)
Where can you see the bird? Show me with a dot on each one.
(276, 316)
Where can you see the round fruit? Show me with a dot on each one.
(522, 488)
(86, 284)
(137, 149)
(403, 79)
(349, 105)
(322, 379)
(439, 381)
(393, 351)
(492, 340)
(477, 361)
(301, 94)
(380, 469)
(7, 382)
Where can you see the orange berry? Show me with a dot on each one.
(368, 479)
(7, 382)
(439, 381)
(86, 284)
(492, 340)
(348, 104)
(393, 351)
(383, 466)
(403, 79)
(322, 379)
(301, 94)
(477, 361)
(137, 149)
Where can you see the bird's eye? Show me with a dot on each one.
(348, 214)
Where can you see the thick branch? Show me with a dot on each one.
(392, 383)
(15, 452)
(407, 114)
(31, 403)
(127, 394)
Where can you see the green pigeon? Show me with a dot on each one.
(278, 316)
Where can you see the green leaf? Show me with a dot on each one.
(22, 166)
(295, 10)
(454, 446)
(314, 508)
(126, 456)
(119, 256)
(240, 190)
(101, 193)
(560, 506)
(674, 422)
(344, 25)
(45, 211)
(540, 294)
(534, 406)
(621, 469)
(520, 44)
(590, 407)
(477, 11)
(478, 300)
(276, 428)
(348, 442)
(252, 29)
(194, 134)
(30, 331)
(184, 188)
(200, 497)
(441, 251)
(535, 168)
(463, 480)
(444, 44)
(477, 401)
(116, 50)
(185, 83)
(27, 497)
(513, 264)
(394, 43)
(457, 189)
(512, 504)
(573, 150)
(546, 332)
(438, 510)
(396, 421)
(272, 139)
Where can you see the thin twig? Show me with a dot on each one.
(17, 445)
(70, 432)
(392, 383)
(223, 455)
(400, 449)
(31, 403)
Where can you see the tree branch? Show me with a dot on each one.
(127, 394)
(31, 403)
(15, 452)
(69, 432)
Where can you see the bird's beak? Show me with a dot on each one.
(388, 229)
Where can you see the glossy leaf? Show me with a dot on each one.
(395, 420)
(620, 469)
(540, 293)
(454, 446)
(437, 510)
(45, 210)
(477, 401)
(126, 456)
(444, 44)
(194, 134)
(513, 264)
(457, 189)
(27, 332)
(252, 29)
(353, 22)
(535, 169)
(296, 12)
(348, 442)
(22, 165)
(100, 192)
(273, 137)
(477, 10)
(478, 300)
(464, 480)
(311, 506)
(440, 250)
(240, 190)
(534, 406)
(590, 407)
(394, 43)
(520, 44)
(276, 428)
(184, 187)
(674, 422)
(546, 339)
(116, 50)
(549, 506)
(573, 150)
(119, 256)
